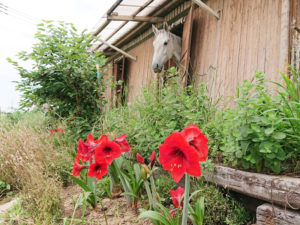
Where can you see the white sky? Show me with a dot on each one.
(17, 35)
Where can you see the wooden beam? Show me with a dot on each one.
(137, 18)
(270, 214)
(117, 49)
(124, 23)
(111, 9)
(279, 190)
(206, 8)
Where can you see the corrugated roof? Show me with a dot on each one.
(112, 31)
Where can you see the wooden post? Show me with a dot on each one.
(117, 49)
(206, 8)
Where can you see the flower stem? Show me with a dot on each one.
(103, 210)
(186, 200)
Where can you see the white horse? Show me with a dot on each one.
(166, 45)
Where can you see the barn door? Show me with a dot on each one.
(186, 47)
(119, 74)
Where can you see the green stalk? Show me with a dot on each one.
(126, 189)
(186, 200)
(150, 196)
(103, 211)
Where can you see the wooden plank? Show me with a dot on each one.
(295, 34)
(284, 37)
(284, 191)
(186, 46)
(149, 19)
(268, 214)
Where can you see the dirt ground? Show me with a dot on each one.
(117, 211)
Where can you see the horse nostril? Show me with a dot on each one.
(156, 65)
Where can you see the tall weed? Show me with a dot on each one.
(29, 162)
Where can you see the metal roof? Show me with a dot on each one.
(111, 31)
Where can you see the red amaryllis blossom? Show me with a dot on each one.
(107, 150)
(197, 139)
(152, 158)
(178, 157)
(98, 169)
(172, 212)
(122, 142)
(176, 196)
(140, 159)
(77, 167)
(86, 150)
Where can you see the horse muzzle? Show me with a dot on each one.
(156, 68)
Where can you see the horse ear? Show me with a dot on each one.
(166, 26)
(155, 30)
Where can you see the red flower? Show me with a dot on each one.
(140, 159)
(77, 167)
(176, 196)
(178, 157)
(153, 158)
(172, 212)
(107, 150)
(197, 139)
(58, 130)
(122, 142)
(98, 170)
(86, 150)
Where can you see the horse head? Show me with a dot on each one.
(166, 45)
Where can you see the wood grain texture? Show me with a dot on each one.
(267, 214)
(284, 191)
(295, 33)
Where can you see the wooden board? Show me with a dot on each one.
(279, 190)
(186, 45)
(294, 45)
(267, 214)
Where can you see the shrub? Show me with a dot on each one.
(63, 75)
(164, 184)
(152, 118)
(255, 133)
(220, 207)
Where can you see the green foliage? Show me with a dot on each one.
(197, 213)
(63, 73)
(165, 183)
(255, 132)
(290, 96)
(152, 118)
(220, 207)
(4, 188)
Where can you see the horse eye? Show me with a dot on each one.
(165, 43)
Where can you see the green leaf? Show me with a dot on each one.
(269, 130)
(279, 135)
(154, 216)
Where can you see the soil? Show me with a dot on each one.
(117, 210)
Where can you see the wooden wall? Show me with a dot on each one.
(250, 35)
(140, 71)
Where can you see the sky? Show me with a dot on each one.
(18, 28)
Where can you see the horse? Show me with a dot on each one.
(166, 46)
